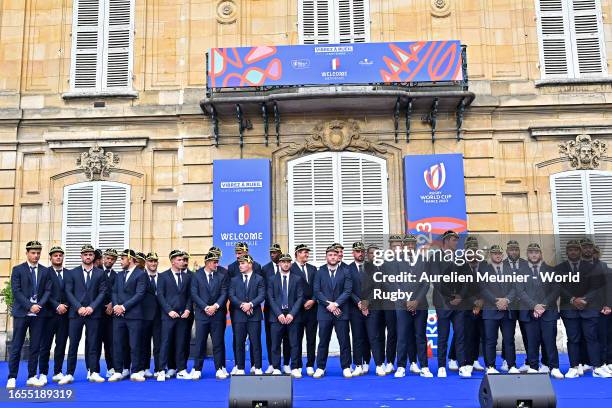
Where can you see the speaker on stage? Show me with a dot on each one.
(261, 391)
(517, 391)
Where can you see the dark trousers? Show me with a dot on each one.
(286, 344)
(473, 334)
(457, 318)
(577, 329)
(151, 330)
(253, 330)
(173, 333)
(105, 340)
(492, 327)
(605, 338)
(75, 330)
(388, 321)
(21, 325)
(280, 332)
(56, 327)
(342, 333)
(375, 346)
(216, 330)
(543, 332)
(127, 332)
(359, 335)
(411, 329)
(187, 340)
(308, 328)
(234, 345)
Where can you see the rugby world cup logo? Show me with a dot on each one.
(435, 176)
(244, 213)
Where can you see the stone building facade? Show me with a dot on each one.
(158, 138)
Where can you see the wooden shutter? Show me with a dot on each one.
(118, 39)
(588, 37)
(87, 35)
(353, 21)
(79, 222)
(315, 21)
(113, 216)
(554, 37)
(599, 206)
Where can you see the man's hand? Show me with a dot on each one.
(456, 300)
(540, 309)
(476, 310)
(245, 307)
(185, 314)
(337, 312)
(332, 306)
(282, 319)
(365, 312)
(89, 310)
(210, 310)
(35, 309)
(502, 303)
(119, 310)
(606, 310)
(309, 304)
(580, 303)
(411, 305)
(81, 311)
(61, 309)
(479, 303)
(108, 309)
(173, 314)
(288, 319)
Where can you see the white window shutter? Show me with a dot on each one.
(118, 44)
(78, 221)
(554, 38)
(113, 216)
(87, 35)
(587, 28)
(353, 21)
(599, 187)
(315, 21)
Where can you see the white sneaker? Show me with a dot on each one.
(310, 371)
(296, 373)
(10, 384)
(477, 366)
(441, 372)
(137, 377)
(57, 377)
(365, 368)
(220, 375)
(115, 377)
(380, 371)
(544, 369)
(33, 382)
(252, 369)
(257, 371)
(170, 373)
(67, 379)
(610, 367)
(196, 375)
(465, 372)
(42, 379)
(400, 372)
(109, 372)
(183, 375)
(239, 372)
(586, 367)
(276, 372)
(161, 376)
(425, 373)
(225, 371)
(532, 371)
(319, 373)
(95, 377)
(287, 369)
(235, 368)
(601, 372)
(572, 373)
(270, 369)
(347, 373)
(492, 370)
(513, 370)
(452, 365)
(504, 366)
(414, 368)
(524, 368)
(556, 373)
(148, 373)
(389, 368)
(357, 371)
(88, 374)
(125, 374)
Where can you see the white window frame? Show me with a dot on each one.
(333, 21)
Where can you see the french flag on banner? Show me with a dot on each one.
(335, 63)
(244, 213)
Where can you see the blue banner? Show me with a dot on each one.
(242, 207)
(325, 64)
(434, 195)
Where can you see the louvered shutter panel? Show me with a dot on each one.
(353, 20)
(79, 221)
(118, 44)
(587, 29)
(113, 216)
(315, 19)
(87, 33)
(554, 37)
(599, 188)
(570, 217)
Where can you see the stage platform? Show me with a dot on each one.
(331, 391)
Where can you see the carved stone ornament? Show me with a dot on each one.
(440, 8)
(336, 135)
(583, 153)
(97, 164)
(227, 12)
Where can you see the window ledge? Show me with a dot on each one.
(109, 94)
(572, 81)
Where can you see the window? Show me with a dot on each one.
(102, 46)
(334, 21)
(582, 206)
(571, 38)
(96, 213)
(337, 197)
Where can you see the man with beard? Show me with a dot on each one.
(151, 322)
(358, 311)
(106, 322)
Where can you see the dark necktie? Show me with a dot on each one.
(285, 297)
(180, 280)
(153, 283)
(304, 272)
(209, 278)
(125, 274)
(88, 278)
(333, 277)
(59, 277)
(246, 287)
(574, 267)
(498, 270)
(34, 283)
(360, 268)
(535, 270)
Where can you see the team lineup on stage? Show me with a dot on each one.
(131, 311)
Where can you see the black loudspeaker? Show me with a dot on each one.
(261, 391)
(517, 391)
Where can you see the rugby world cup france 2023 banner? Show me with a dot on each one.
(242, 207)
(325, 64)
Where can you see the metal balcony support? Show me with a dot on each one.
(215, 121)
(396, 114)
(241, 126)
(408, 117)
(431, 118)
(460, 112)
(464, 67)
(264, 114)
(277, 123)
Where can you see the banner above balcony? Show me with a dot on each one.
(335, 64)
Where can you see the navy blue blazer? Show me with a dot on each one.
(204, 295)
(295, 298)
(419, 289)
(534, 292)
(234, 269)
(339, 293)
(58, 290)
(110, 284)
(591, 287)
(493, 290)
(170, 297)
(255, 294)
(308, 284)
(81, 296)
(150, 305)
(21, 285)
(131, 293)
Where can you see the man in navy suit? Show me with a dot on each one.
(241, 249)
(174, 297)
(285, 298)
(128, 292)
(221, 269)
(247, 293)
(386, 316)
(85, 290)
(309, 322)
(209, 289)
(109, 257)
(605, 318)
(332, 288)
(539, 313)
(190, 319)
(151, 319)
(57, 323)
(31, 288)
